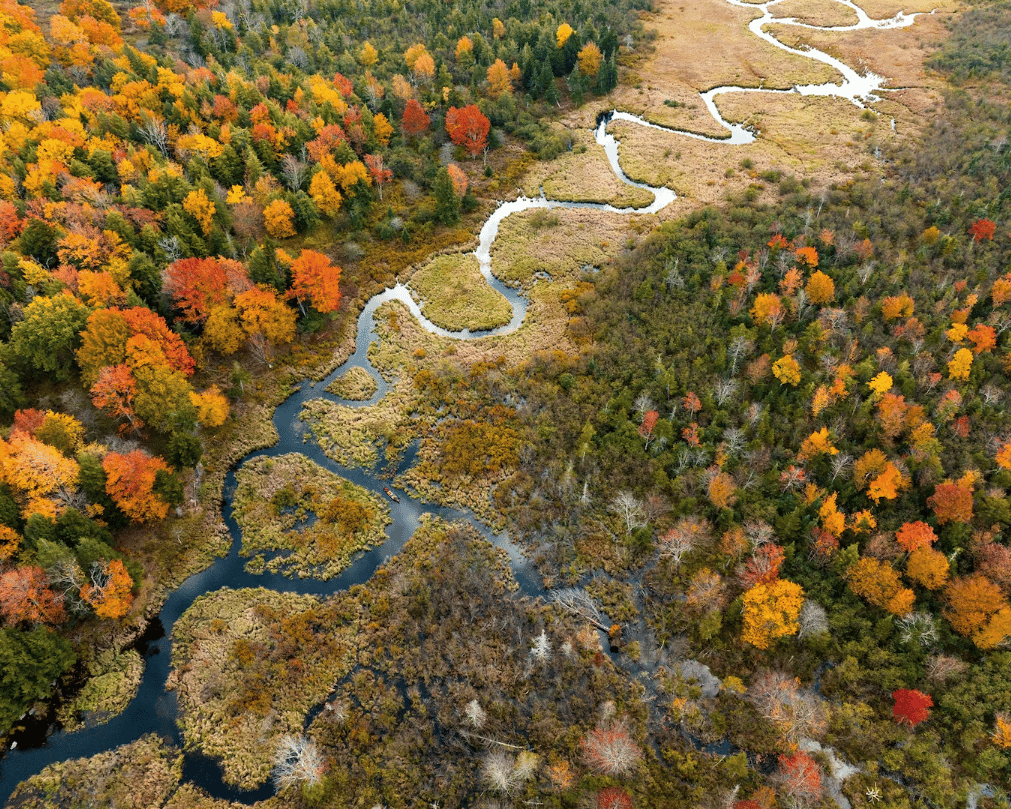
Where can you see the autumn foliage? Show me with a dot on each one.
(316, 281)
(130, 479)
(468, 127)
(911, 706)
(610, 749)
(771, 612)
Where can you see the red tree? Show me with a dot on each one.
(951, 503)
(377, 169)
(114, 392)
(197, 285)
(468, 128)
(649, 420)
(611, 750)
(130, 482)
(613, 798)
(316, 280)
(911, 706)
(913, 535)
(28, 421)
(25, 597)
(763, 566)
(800, 776)
(415, 120)
(982, 230)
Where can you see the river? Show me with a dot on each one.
(153, 710)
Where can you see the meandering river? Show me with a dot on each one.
(153, 710)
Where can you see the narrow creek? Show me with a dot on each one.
(153, 710)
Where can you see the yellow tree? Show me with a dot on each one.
(211, 407)
(499, 82)
(590, 58)
(325, 194)
(786, 370)
(277, 217)
(199, 206)
(960, 365)
(880, 585)
(771, 611)
(820, 288)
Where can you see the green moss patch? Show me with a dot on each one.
(292, 504)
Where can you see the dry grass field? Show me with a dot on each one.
(583, 175)
(453, 294)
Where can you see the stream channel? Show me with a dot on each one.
(153, 709)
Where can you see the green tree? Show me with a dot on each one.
(48, 335)
(29, 662)
(447, 203)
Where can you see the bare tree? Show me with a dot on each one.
(541, 649)
(643, 404)
(155, 132)
(294, 171)
(758, 532)
(839, 464)
(628, 507)
(813, 619)
(733, 440)
(475, 714)
(297, 761)
(687, 534)
(779, 698)
(918, 627)
(725, 388)
(505, 773)
(576, 601)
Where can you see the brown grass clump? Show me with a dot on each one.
(816, 12)
(355, 385)
(352, 435)
(454, 295)
(558, 242)
(583, 175)
(113, 682)
(291, 504)
(138, 775)
(248, 666)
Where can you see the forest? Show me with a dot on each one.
(764, 479)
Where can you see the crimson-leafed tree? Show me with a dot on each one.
(801, 778)
(951, 503)
(130, 480)
(982, 230)
(115, 392)
(197, 285)
(316, 281)
(610, 749)
(468, 128)
(378, 171)
(649, 420)
(415, 120)
(25, 598)
(613, 798)
(911, 706)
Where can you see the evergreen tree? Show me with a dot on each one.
(447, 203)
